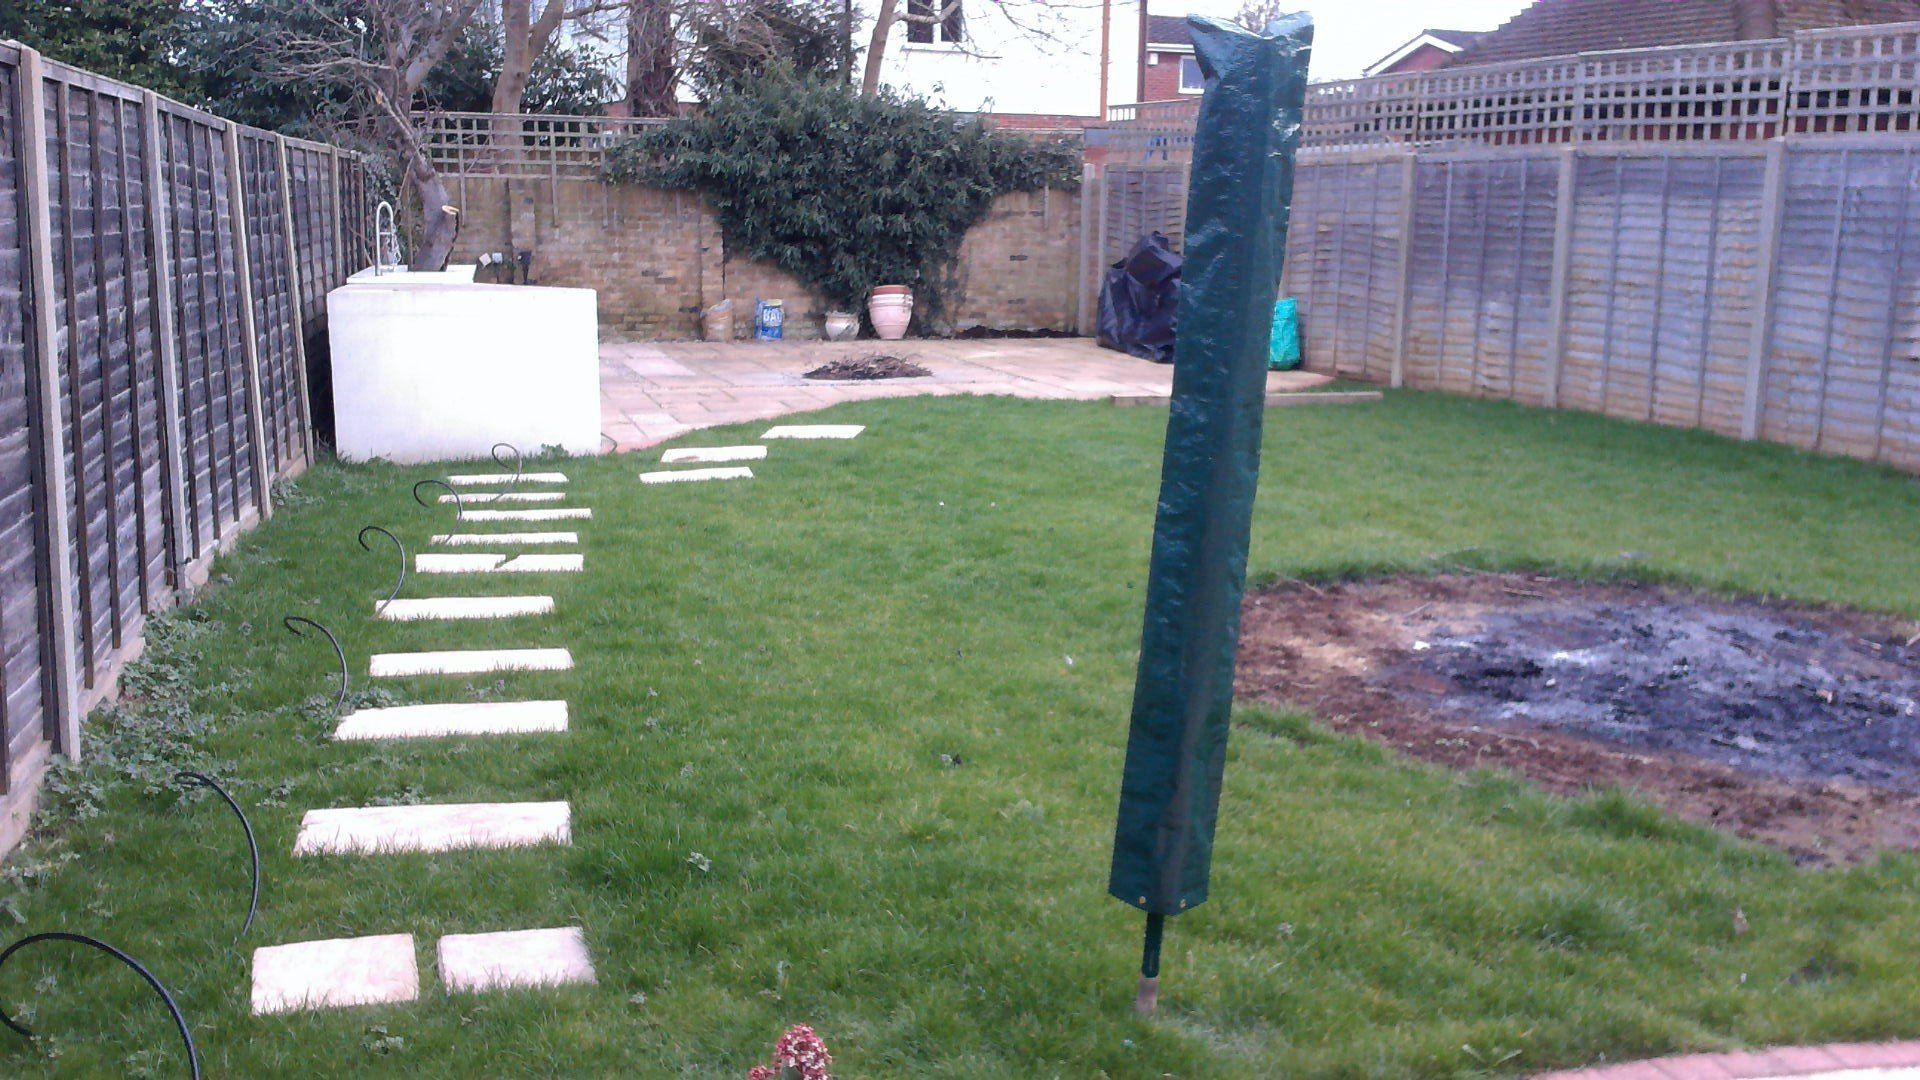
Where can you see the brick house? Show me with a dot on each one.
(1168, 68)
(1562, 27)
(1427, 50)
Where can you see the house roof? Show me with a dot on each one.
(1168, 30)
(1561, 27)
(1450, 41)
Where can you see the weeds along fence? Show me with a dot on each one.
(162, 267)
(1722, 237)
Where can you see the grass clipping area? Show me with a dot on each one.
(846, 744)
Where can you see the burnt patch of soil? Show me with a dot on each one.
(1792, 725)
(876, 366)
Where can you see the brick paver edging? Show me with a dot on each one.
(1754, 1064)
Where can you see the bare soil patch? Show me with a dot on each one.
(1792, 725)
(876, 366)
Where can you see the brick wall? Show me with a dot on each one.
(657, 259)
(1161, 80)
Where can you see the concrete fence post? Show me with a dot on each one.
(1564, 199)
(249, 338)
(1409, 166)
(56, 527)
(1762, 338)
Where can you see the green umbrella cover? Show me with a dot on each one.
(1242, 183)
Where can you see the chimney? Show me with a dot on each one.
(1756, 19)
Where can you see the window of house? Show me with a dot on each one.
(923, 29)
(1190, 79)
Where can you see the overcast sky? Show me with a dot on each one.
(1350, 34)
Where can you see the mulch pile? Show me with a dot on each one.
(877, 366)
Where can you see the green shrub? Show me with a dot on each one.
(842, 191)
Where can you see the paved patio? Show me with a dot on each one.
(651, 392)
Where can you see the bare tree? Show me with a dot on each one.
(380, 55)
(525, 35)
(1258, 14)
(653, 73)
(889, 14)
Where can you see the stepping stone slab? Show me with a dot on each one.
(385, 830)
(442, 721)
(814, 431)
(713, 453)
(505, 496)
(334, 973)
(683, 476)
(514, 959)
(489, 563)
(477, 539)
(468, 662)
(479, 479)
(463, 607)
(556, 513)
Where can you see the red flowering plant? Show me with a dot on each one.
(798, 1055)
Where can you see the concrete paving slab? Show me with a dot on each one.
(387, 830)
(483, 479)
(686, 476)
(814, 431)
(688, 454)
(462, 607)
(334, 973)
(494, 563)
(527, 539)
(452, 720)
(467, 662)
(555, 513)
(476, 498)
(515, 959)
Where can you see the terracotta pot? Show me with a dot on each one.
(892, 290)
(890, 314)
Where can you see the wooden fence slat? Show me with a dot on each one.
(296, 292)
(249, 336)
(160, 250)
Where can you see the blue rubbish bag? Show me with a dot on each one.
(1283, 349)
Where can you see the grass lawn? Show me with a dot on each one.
(882, 690)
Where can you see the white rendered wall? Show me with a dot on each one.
(1021, 56)
(426, 371)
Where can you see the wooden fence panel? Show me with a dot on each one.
(271, 269)
(1843, 289)
(316, 232)
(24, 700)
(214, 397)
(108, 376)
(127, 398)
(1343, 260)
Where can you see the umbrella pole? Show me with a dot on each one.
(1148, 996)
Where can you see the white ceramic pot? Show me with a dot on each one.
(890, 314)
(842, 325)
